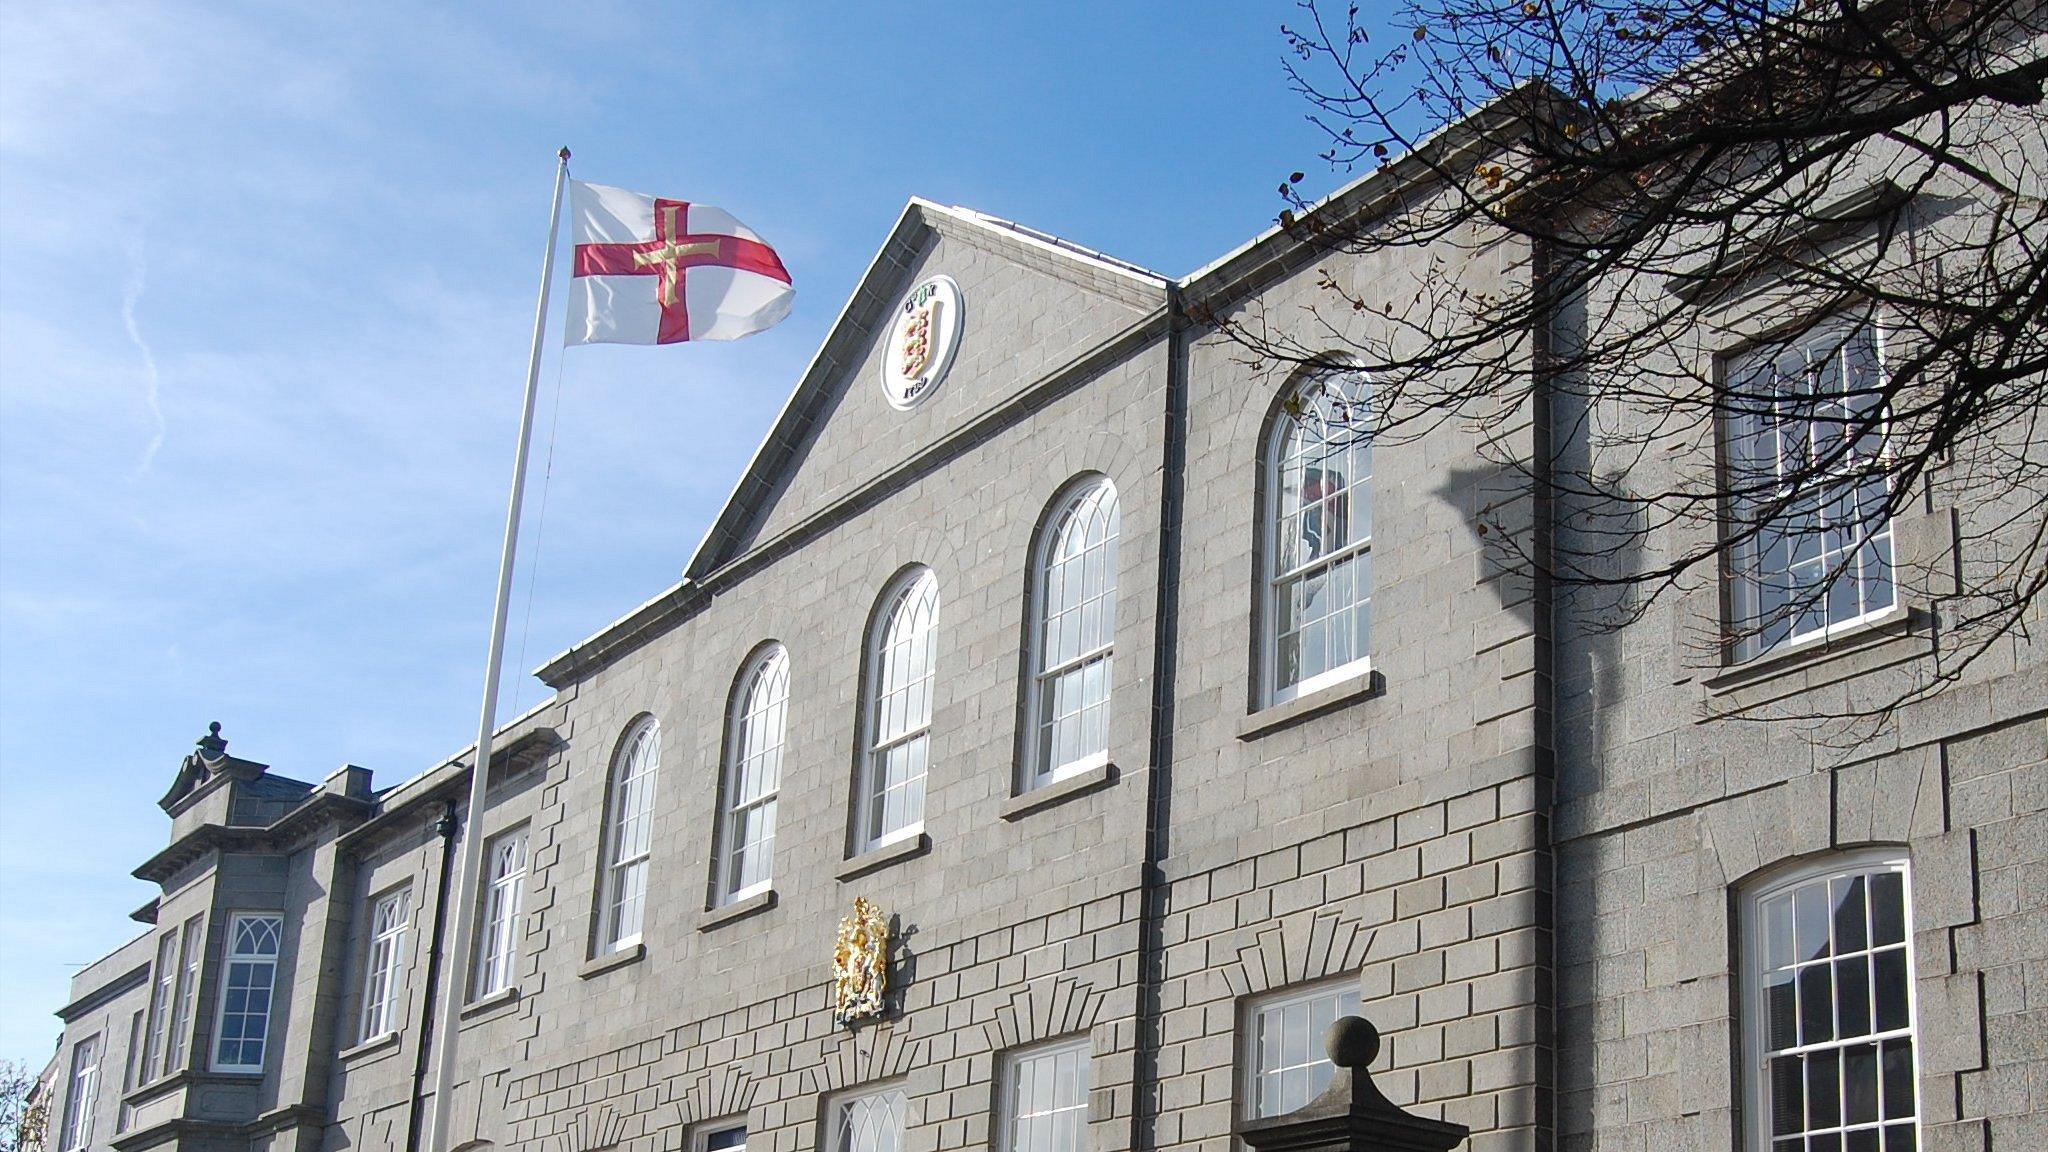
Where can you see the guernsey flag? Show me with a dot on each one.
(655, 271)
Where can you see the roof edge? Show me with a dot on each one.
(1366, 192)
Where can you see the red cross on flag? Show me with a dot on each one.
(654, 271)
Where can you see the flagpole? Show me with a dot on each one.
(455, 982)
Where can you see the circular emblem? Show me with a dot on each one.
(923, 334)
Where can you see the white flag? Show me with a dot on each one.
(654, 271)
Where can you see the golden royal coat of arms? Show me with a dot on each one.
(860, 963)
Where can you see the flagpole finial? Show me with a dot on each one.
(564, 153)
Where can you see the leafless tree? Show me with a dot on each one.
(24, 1111)
(1868, 173)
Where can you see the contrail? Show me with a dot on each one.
(138, 268)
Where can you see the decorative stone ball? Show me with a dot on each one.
(1352, 1041)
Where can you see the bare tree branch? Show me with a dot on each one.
(1867, 174)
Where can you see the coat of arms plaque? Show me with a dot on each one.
(860, 963)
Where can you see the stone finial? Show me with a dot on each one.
(1351, 1115)
(213, 746)
(1352, 1042)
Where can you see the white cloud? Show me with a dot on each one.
(131, 294)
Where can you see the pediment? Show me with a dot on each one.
(209, 754)
(1026, 303)
(203, 769)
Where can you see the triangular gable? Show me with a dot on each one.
(1068, 278)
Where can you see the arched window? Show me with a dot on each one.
(629, 827)
(902, 661)
(1074, 628)
(1827, 1006)
(753, 774)
(1318, 556)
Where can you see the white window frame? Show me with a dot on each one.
(1273, 581)
(756, 734)
(629, 837)
(192, 949)
(81, 1091)
(163, 991)
(1745, 578)
(1756, 1054)
(1346, 998)
(499, 912)
(1011, 1112)
(265, 962)
(837, 1106)
(700, 1136)
(901, 597)
(387, 927)
(1097, 495)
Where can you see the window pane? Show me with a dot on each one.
(1788, 1100)
(1852, 996)
(1887, 908)
(1849, 914)
(1777, 917)
(1811, 906)
(1816, 1005)
(1823, 1090)
(1781, 1020)
(1898, 1079)
(1891, 989)
(1859, 1083)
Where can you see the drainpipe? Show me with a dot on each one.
(445, 826)
(1158, 777)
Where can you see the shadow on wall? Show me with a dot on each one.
(1574, 585)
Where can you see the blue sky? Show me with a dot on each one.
(266, 281)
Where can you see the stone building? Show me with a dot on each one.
(1165, 719)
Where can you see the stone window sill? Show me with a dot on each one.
(598, 966)
(1318, 703)
(1060, 791)
(487, 1007)
(388, 1042)
(1898, 626)
(908, 848)
(737, 910)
